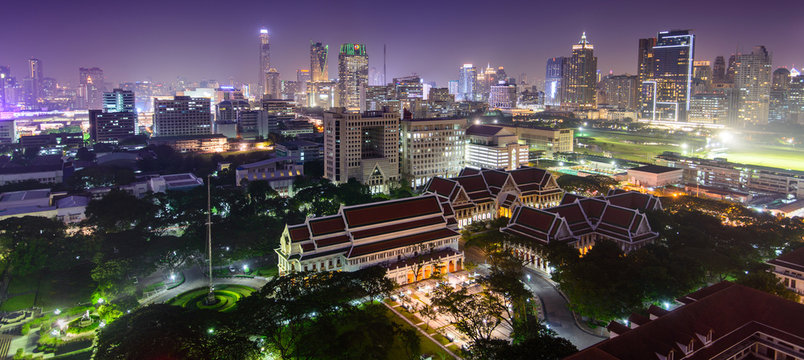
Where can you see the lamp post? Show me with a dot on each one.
(211, 295)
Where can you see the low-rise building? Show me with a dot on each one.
(411, 238)
(493, 147)
(722, 321)
(789, 268)
(300, 151)
(488, 194)
(655, 176)
(581, 222)
(154, 184)
(44, 169)
(44, 203)
(542, 138)
(193, 143)
(56, 140)
(279, 172)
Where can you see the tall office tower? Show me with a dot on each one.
(353, 76)
(580, 79)
(118, 100)
(265, 59)
(408, 87)
(752, 79)
(730, 70)
(644, 62)
(33, 82)
(780, 85)
(273, 88)
(467, 83)
(90, 88)
(5, 75)
(709, 108)
(117, 120)
(322, 94)
(318, 62)
(701, 77)
(182, 115)
(618, 92)
(452, 87)
(795, 99)
(719, 70)
(553, 86)
(667, 87)
(303, 77)
(362, 146)
(431, 147)
(502, 96)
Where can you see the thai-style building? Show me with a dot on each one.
(414, 238)
(488, 194)
(580, 222)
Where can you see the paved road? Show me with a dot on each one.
(194, 278)
(557, 312)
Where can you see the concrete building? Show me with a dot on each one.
(618, 92)
(655, 176)
(322, 94)
(666, 64)
(44, 169)
(580, 77)
(431, 147)
(467, 83)
(273, 85)
(553, 83)
(752, 80)
(318, 62)
(353, 76)
(44, 203)
(502, 96)
(90, 88)
(722, 321)
(279, 172)
(541, 138)
(789, 268)
(182, 115)
(300, 151)
(411, 238)
(493, 147)
(363, 146)
(193, 143)
(709, 108)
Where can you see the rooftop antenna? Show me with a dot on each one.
(384, 79)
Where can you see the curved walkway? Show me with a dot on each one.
(194, 278)
(557, 313)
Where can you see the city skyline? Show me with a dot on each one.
(155, 48)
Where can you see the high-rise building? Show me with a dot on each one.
(752, 80)
(467, 83)
(452, 87)
(353, 76)
(780, 86)
(667, 87)
(182, 115)
(303, 77)
(117, 120)
(580, 79)
(701, 77)
(719, 70)
(502, 96)
(265, 59)
(5, 73)
(322, 94)
(795, 99)
(33, 82)
(431, 147)
(362, 146)
(709, 108)
(273, 87)
(318, 62)
(90, 88)
(408, 87)
(730, 70)
(553, 80)
(618, 92)
(644, 62)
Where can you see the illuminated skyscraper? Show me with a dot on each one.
(182, 115)
(618, 92)
(90, 88)
(318, 62)
(265, 59)
(353, 76)
(644, 62)
(467, 83)
(719, 70)
(752, 80)
(701, 77)
(667, 87)
(303, 77)
(33, 82)
(273, 88)
(502, 96)
(118, 100)
(117, 120)
(5, 75)
(780, 85)
(553, 86)
(580, 77)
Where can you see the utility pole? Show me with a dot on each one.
(211, 294)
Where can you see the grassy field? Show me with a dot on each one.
(427, 346)
(55, 290)
(773, 156)
(227, 296)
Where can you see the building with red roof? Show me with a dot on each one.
(789, 268)
(723, 321)
(413, 238)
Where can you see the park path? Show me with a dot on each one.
(194, 278)
(448, 351)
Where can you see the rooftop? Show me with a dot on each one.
(793, 259)
(24, 195)
(655, 169)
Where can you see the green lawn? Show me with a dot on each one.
(18, 302)
(427, 346)
(227, 296)
(633, 147)
(773, 156)
(55, 290)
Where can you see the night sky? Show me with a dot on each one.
(160, 40)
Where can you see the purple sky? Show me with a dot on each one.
(160, 40)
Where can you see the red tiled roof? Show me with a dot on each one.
(530, 176)
(335, 240)
(308, 247)
(383, 211)
(472, 183)
(535, 219)
(617, 216)
(734, 313)
(570, 198)
(469, 171)
(593, 207)
(298, 232)
(633, 200)
(326, 225)
(440, 186)
(401, 242)
(407, 225)
(495, 179)
(792, 260)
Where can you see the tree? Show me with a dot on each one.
(504, 279)
(120, 211)
(761, 279)
(172, 332)
(474, 315)
(374, 283)
(33, 244)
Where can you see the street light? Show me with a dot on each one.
(528, 275)
(57, 312)
(100, 301)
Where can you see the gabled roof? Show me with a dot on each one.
(298, 232)
(791, 260)
(441, 186)
(536, 224)
(326, 225)
(385, 211)
(635, 200)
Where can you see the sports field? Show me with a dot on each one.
(773, 156)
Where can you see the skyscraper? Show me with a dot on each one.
(553, 86)
(273, 88)
(467, 83)
(719, 70)
(118, 100)
(618, 92)
(182, 115)
(780, 85)
(644, 62)
(580, 77)
(265, 59)
(752, 80)
(318, 62)
(353, 76)
(730, 70)
(33, 82)
(5, 73)
(117, 120)
(667, 87)
(502, 96)
(90, 88)
(701, 77)
(303, 77)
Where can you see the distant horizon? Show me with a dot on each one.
(430, 39)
